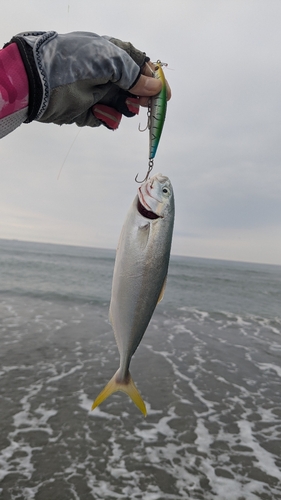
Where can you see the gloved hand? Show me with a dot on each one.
(69, 74)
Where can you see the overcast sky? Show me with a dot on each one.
(221, 144)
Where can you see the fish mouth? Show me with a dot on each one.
(142, 199)
(143, 207)
(148, 214)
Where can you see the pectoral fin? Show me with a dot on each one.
(162, 291)
(127, 386)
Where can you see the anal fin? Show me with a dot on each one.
(162, 291)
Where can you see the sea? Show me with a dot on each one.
(208, 368)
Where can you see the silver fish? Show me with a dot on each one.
(139, 277)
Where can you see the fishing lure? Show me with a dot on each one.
(155, 117)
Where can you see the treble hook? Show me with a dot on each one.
(143, 129)
(150, 167)
(148, 125)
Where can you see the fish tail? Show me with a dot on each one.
(126, 386)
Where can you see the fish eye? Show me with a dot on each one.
(165, 190)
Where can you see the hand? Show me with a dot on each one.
(119, 102)
(78, 77)
(123, 103)
(148, 86)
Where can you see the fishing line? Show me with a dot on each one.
(66, 156)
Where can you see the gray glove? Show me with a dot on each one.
(70, 73)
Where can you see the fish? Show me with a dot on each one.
(139, 277)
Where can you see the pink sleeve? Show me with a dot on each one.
(13, 81)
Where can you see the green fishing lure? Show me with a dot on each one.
(157, 112)
(156, 116)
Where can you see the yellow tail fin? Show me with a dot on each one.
(128, 387)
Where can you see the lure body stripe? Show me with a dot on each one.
(158, 113)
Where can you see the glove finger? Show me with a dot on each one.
(133, 105)
(121, 100)
(107, 115)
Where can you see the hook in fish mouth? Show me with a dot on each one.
(148, 214)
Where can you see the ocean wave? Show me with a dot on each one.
(209, 374)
